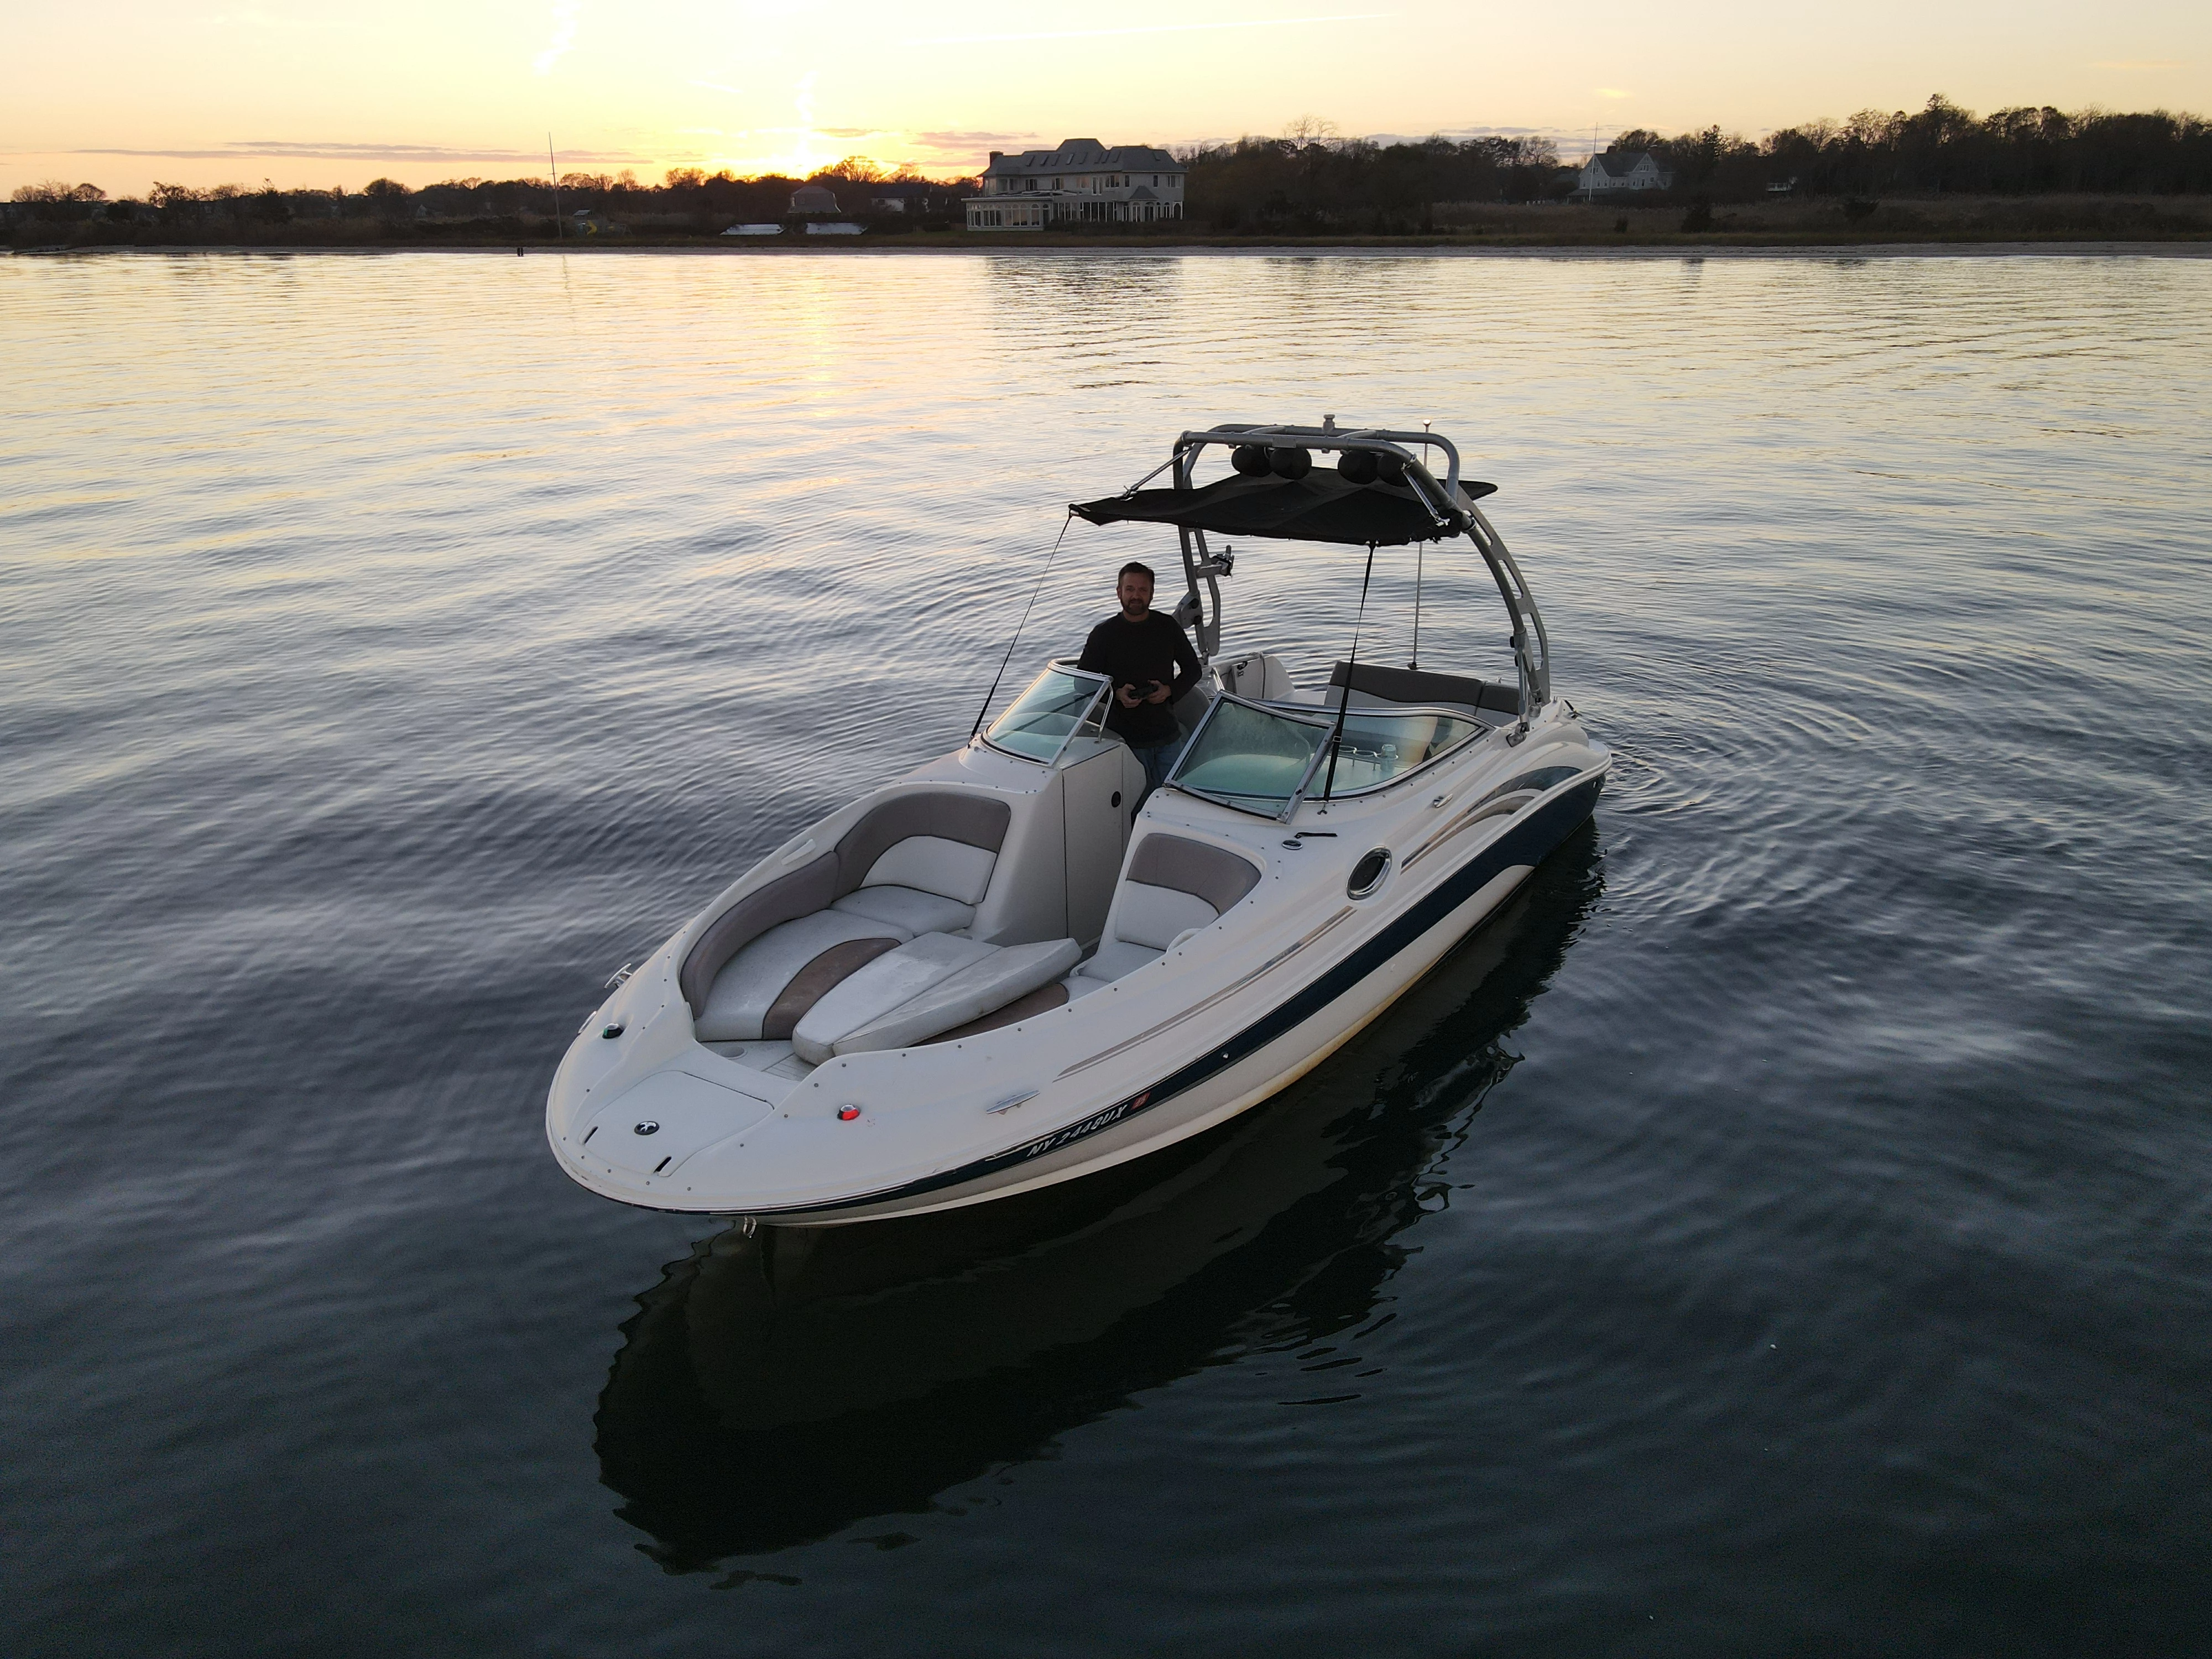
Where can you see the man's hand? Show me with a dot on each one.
(1159, 694)
(1127, 696)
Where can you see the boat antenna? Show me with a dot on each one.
(1420, 557)
(1336, 737)
(554, 173)
(1020, 625)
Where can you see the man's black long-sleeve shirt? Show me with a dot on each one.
(1140, 654)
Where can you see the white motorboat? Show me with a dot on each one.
(998, 972)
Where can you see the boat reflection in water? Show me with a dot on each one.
(777, 1388)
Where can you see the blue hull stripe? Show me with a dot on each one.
(1529, 842)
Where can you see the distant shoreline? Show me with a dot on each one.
(2196, 246)
(1819, 225)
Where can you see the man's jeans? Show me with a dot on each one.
(1156, 760)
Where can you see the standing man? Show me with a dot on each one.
(1150, 664)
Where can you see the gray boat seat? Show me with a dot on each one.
(764, 988)
(1175, 886)
(924, 883)
(929, 984)
(917, 861)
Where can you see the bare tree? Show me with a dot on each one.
(55, 190)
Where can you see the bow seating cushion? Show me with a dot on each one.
(1042, 1001)
(793, 962)
(926, 884)
(956, 834)
(895, 977)
(908, 908)
(984, 986)
(933, 863)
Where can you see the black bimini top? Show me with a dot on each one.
(1314, 509)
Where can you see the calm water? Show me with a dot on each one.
(1786, 1230)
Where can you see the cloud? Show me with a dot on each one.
(1469, 133)
(263, 19)
(968, 140)
(959, 141)
(284, 150)
(1613, 92)
(2141, 64)
(564, 35)
(1147, 28)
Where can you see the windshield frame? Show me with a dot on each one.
(1091, 721)
(1301, 718)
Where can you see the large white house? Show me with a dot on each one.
(1623, 169)
(1081, 181)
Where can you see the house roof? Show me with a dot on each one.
(1619, 163)
(1076, 155)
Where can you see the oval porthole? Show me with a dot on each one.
(1367, 874)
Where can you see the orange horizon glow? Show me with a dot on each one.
(324, 93)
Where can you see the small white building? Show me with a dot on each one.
(1079, 182)
(1617, 170)
(813, 198)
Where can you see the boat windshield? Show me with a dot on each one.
(1260, 760)
(1059, 702)
(1381, 745)
(1249, 757)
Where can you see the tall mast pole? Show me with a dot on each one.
(554, 173)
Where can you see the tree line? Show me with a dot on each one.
(1311, 180)
(1942, 149)
(688, 200)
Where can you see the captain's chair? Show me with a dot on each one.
(1175, 886)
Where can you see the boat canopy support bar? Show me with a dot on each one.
(1532, 646)
(1200, 612)
(1326, 436)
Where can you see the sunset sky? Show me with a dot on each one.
(331, 92)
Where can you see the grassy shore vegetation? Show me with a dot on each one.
(1939, 174)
